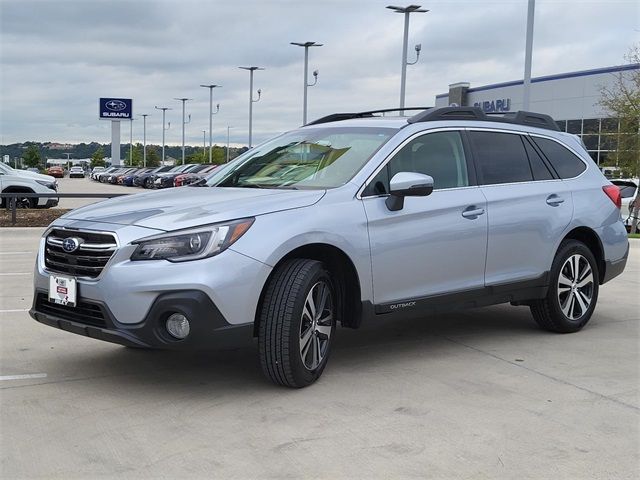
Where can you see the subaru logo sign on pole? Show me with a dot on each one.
(115, 109)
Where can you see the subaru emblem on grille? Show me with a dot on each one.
(71, 244)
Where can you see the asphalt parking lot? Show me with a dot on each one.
(478, 394)
(86, 185)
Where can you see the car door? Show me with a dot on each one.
(528, 207)
(434, 244)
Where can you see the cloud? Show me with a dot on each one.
(58, 57)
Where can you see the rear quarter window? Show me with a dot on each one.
(564, 162)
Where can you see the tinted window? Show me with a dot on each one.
(538, 167)
(574, 126)
(501, 157)
(565, 163)
(439, 154)
(591, 125)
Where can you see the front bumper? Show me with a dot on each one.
(209, 329)
(130, 291)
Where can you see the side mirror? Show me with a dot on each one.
(407, 184)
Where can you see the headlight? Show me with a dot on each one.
(49, 185)
(192, 244)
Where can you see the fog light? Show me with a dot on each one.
(178, 326)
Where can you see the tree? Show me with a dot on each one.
(622, 101)
(138, 156)
(31, 157)
(97, 159)
(153, 159)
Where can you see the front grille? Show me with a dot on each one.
(88, 260)
(85, 312)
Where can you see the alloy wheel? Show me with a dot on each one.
(575, 287)
(316, 325)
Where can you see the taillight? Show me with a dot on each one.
(613, 192)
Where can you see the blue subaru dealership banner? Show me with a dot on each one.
(115, 108)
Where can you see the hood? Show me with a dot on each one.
(35, 176)
(192, 206)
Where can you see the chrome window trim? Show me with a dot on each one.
(41, 253)
(586, 165)
(548, 137)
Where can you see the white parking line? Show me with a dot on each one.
(23, 377)
(15, 273)
(15, 310)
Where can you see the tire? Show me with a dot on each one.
(147, 183)
(21, 202)
(289, 332)
(569, 303)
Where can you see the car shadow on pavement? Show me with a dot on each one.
(389, 343)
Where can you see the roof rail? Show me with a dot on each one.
(531, 119)
(336, 117)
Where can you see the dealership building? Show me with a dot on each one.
(570, 98)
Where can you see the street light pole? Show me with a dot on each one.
(131, 142)
(306, 46)
(204, 144)
(211, 114)
(164, 110)
(184, 101)
(228, 128)
(526, 92)
(407, 11)
(251, 100)
(144, 139)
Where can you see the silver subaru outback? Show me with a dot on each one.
(348, 219)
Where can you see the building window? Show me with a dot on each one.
(574, 126)
(599, 135)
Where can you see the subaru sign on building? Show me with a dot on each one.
(115, 108)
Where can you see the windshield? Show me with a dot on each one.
(314, 158)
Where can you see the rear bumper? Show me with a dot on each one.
(615, 268)
(208, 327)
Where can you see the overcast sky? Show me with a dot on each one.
(58, 57)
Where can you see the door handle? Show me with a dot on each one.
(554, 200)
(472, 212)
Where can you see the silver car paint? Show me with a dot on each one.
(386, 248)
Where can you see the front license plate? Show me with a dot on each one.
(62, 290)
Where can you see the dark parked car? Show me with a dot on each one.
(193, 176)
(145, 180)
(128, 179)
(156, 179)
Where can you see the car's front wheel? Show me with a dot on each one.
(297, 323)
(573, 290)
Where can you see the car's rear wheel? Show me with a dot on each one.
(297, 323)
(573, 290)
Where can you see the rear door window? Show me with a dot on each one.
(501, 157)
(538, 165)
(565, 163)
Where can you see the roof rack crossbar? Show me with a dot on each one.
(337, 117)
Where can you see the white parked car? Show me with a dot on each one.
(628, 192)
(22, 181)
(77, 172)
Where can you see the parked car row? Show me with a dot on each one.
(57, 171)
(159, 177)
